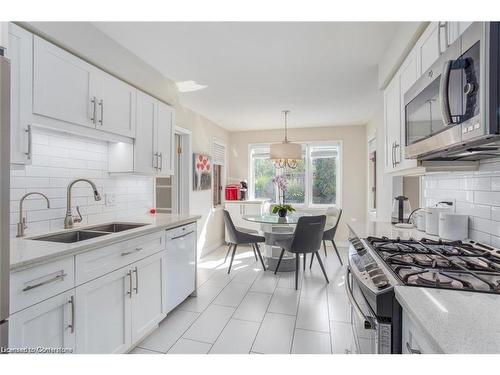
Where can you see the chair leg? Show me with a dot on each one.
(322, 267)
(232, 258)
(297, 268)
(228, 251)
(254, 252)
(324, 248)
(335, 247)
(279, 261)
(304, 266)
(312, 258)
(260, 256)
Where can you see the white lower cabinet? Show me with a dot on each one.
(48, 324)
(148, 295)
(103, 314)
(116, 310)
(414, 340)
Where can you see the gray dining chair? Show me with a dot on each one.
(306, 239)
(329, 234)
(238, 237)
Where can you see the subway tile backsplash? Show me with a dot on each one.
(59, 158)
(477, 194)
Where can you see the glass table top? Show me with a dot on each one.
(290, 219)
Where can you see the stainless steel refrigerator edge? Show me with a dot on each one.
(4, 196)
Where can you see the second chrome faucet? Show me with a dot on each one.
(69, 220)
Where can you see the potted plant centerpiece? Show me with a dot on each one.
(281, 209)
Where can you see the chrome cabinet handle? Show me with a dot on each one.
(101, 120)
(155, 160)
(369, 322)
(392, 156)
(72, 303)
(136, 280)
(182, 235)
(160, 156)
(137, 249)
(442, 25)
(28, 153)
(129, 274)
(61, 276)
(411, 350)
(396, 146)
(93, 101)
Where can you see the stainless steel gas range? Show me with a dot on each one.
(377, 265)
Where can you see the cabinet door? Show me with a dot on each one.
(165, 139)
(428, 47)
(20, 53)
(408, 75)
(47, 324)
(63, 85)
(392, 122)
(103, 314)
(116, 106)
(148, 295)
(145, 158)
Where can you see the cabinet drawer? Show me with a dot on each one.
(415, 341)
(39, 283)
(100, 261)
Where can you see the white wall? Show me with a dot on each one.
(58, 159)
(477, 194)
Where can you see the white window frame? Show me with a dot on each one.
(220, 143)
(308, 172)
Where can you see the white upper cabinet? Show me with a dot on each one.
(392, 119)
(455, 29)
(20, 53)
(165, 139)
(115, 106)
(64, 86)
(145, 157)
(154, 143)
(427, 47)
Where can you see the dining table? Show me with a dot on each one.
(275, 228)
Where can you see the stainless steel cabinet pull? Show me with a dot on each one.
(137, 249)
(93, 101)
(129, 274)
(182, 235)
(72, 303)
(160, 155)
(411, 350)
(155, 160)
(28, 153)
(61, 276)
(101, 120)
(136, 280)
(369, 323)
(396, 147)
(442, 25)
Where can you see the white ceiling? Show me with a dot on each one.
(325, 73)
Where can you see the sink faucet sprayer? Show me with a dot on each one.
(69, 220)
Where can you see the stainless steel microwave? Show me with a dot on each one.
(452, 111)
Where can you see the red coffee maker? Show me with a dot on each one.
(233, 192)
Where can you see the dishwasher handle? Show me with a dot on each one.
(182, 235)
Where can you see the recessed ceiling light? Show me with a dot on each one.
(188, 86)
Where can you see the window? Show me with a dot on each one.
(315, 181)
(219, 162)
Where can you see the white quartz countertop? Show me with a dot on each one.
(454, 321)
(25, 253)
(367, 228)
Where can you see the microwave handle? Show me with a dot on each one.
(369, 322)
(443, 93)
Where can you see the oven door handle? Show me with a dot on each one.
(369, 322)
(444, 100)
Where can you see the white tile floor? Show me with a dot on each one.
(251, 311)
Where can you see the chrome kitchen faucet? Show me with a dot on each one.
(69, 220)
(21, 225)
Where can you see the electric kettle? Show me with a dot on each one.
(401, 210)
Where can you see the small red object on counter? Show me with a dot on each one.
(233, 192)
(152, 211)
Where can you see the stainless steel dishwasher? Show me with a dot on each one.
(181, 264)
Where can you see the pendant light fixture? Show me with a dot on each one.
(286, 154)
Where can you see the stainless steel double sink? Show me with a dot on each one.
(87, 233)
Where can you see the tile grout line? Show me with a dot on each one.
(250, 287)
(298, 307)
